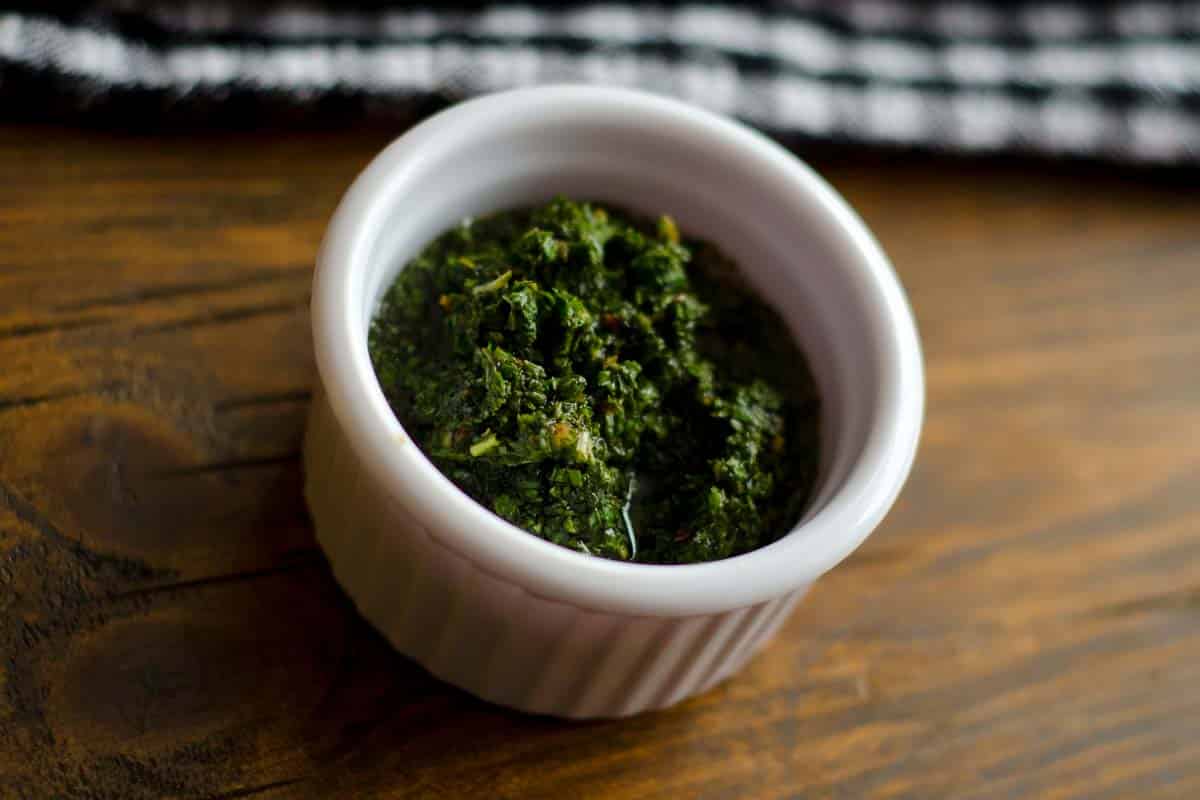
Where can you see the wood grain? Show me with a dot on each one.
(1026, 623)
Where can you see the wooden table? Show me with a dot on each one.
(1025, 623)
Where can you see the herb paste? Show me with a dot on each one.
(595, 380)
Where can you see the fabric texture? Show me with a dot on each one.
(1113, 80)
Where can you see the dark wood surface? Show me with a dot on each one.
(1026, 622)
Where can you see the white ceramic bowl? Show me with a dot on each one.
(499, 612)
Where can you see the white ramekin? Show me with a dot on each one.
(503, 614)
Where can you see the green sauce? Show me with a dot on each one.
(601, 384)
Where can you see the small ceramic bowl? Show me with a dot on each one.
(506, 615)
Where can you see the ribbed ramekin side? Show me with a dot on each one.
(493, 638)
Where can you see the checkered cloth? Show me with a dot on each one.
(1112, 80)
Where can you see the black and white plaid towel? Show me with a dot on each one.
(1113, 80)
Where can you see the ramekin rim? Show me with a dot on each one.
(546, 569)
